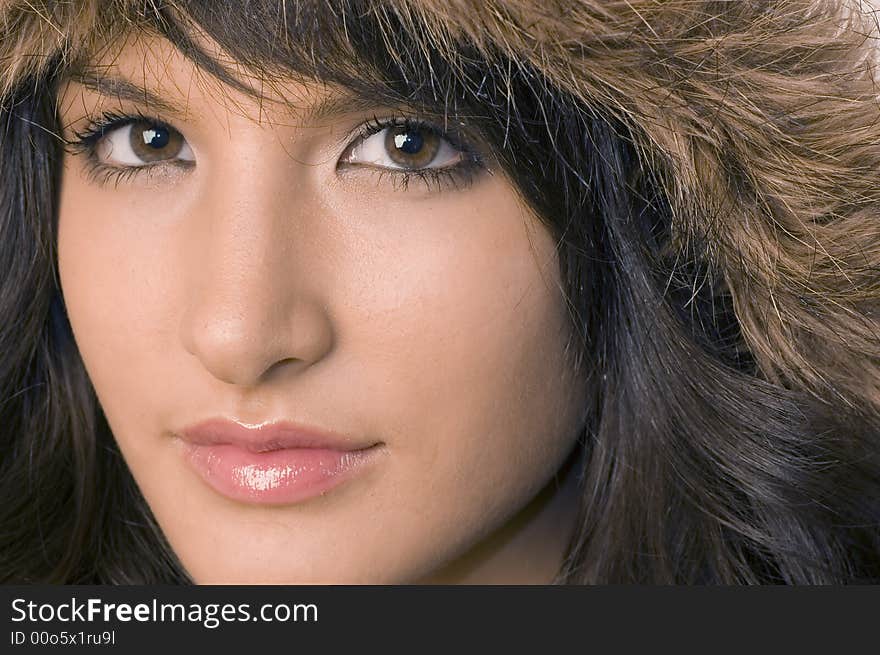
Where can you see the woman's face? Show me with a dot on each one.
(319, 366)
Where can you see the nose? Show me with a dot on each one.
(253, 303)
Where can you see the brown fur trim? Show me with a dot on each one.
(34, 31)
(760, 117)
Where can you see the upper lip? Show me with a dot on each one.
(266, 436)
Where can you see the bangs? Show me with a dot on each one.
(388, 52)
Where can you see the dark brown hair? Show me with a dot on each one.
(711, 172)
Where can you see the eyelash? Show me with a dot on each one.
(458, 176)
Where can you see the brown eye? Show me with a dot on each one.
(405, 147)
(152, 142)
(411, 147)
(140, 143)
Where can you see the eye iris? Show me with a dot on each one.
(152, 142)
(411, 147)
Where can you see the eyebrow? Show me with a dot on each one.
(122, 89)
(346, 102)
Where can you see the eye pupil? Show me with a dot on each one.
(156, 137)
(410, 142)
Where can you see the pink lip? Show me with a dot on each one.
(272, 463)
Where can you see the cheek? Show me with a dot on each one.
(473, 338)
(466, 350)
(484, 415)
(118, 281)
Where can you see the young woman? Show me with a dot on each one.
(404, 291)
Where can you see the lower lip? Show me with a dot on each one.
(277, 477)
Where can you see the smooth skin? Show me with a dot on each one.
(262, 280)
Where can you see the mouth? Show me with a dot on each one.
(275, 463)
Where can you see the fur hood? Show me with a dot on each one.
(760, 117)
